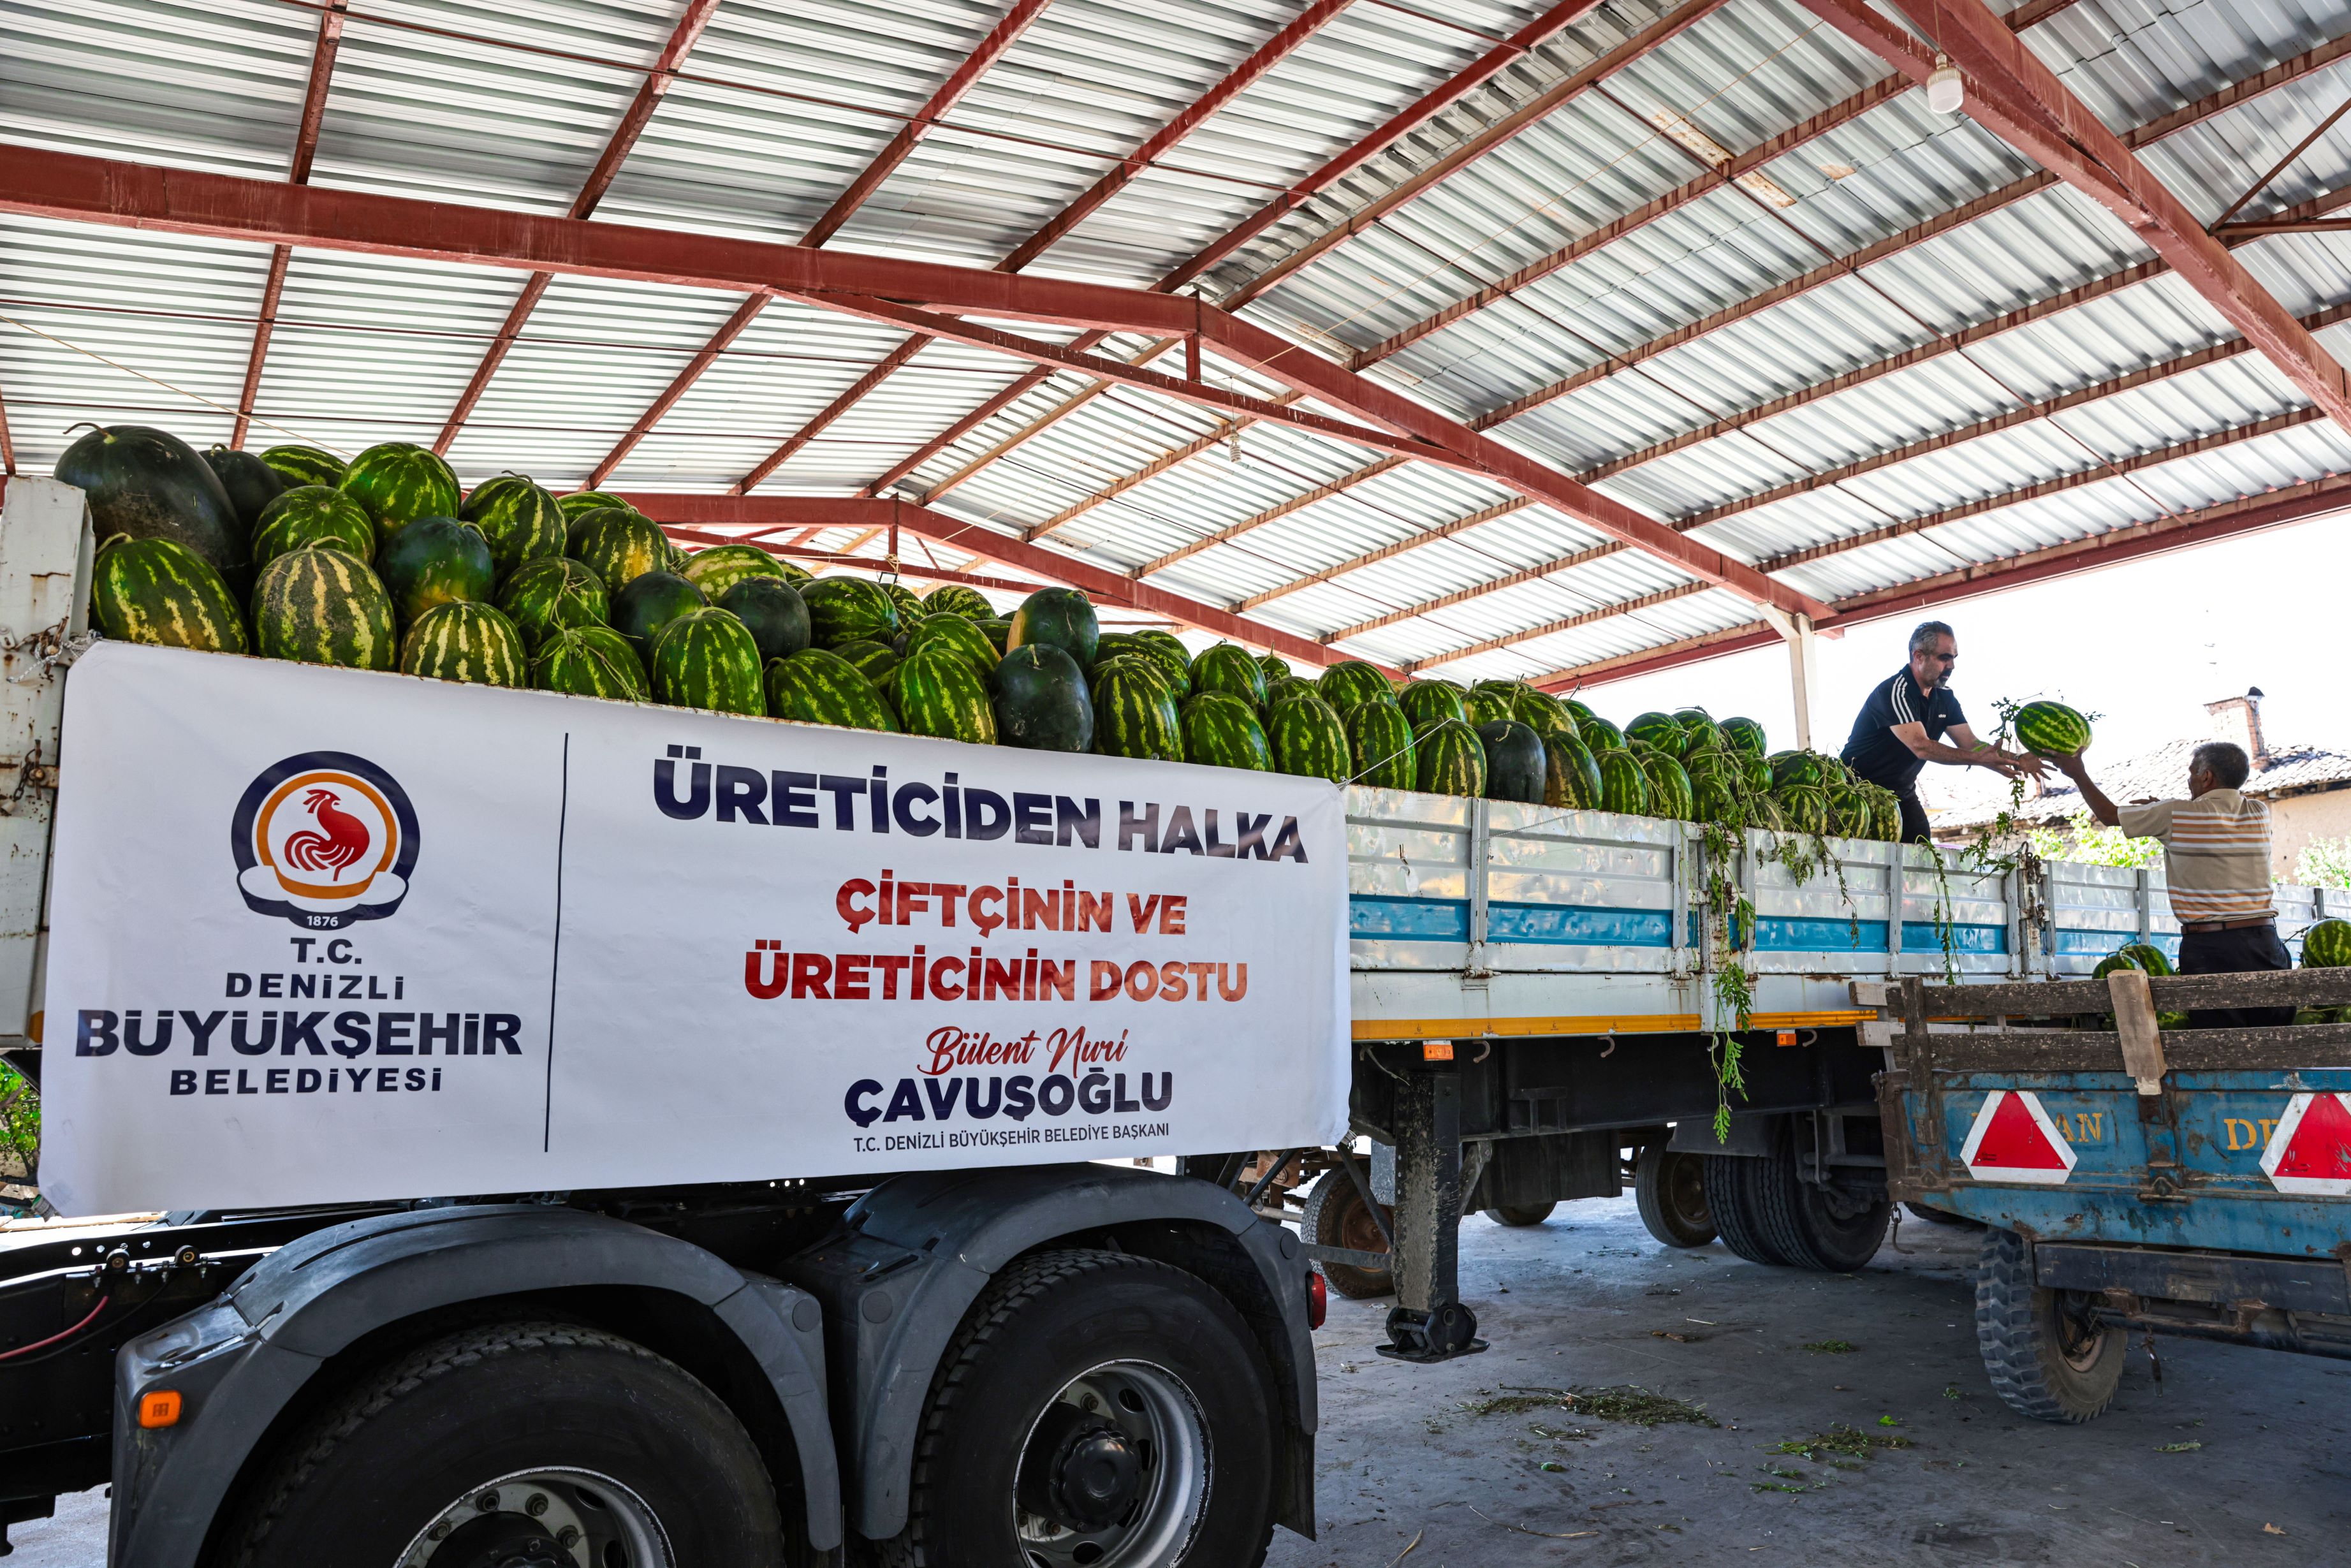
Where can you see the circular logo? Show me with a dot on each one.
(323, 839)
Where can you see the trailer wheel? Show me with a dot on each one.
(1520, 1215)
(1670, 1189)
(1336, 1216)
(2046, 1356)
(1094, 1407)
(1730, 1203)
(1822, 1228)
(516, 1443)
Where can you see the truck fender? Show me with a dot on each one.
(239, 1362)
(916, 1251)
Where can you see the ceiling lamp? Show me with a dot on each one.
(1945, 89)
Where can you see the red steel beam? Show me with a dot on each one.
(889, 365)
(617, 147)
(703, 358)
(306, 150)
(8, 442)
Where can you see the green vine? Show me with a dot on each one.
(1730, 928)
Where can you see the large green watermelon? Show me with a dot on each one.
(648, 603)
(1061, 616)
(1570, 778)
(1597, 734)
(158, 590)
(1288, 686)
(618, 545)
(551, 594)
(312, 515)
(589, 662)
(460, 641)
(1169, 650)
(2327, 946)
(1134, 710)
(1380, 739)
(320, 605)
(1514, 761)
(1111, 645)
(1542, 713)
(298, 466)
(1745, 734)
(1802, 769)
(1427, 701)
(2143, 956)
(814, 686)
(960, 635)
(997, 631)
(938, 691)
(1804, 808)
(1352, 682)
(1850, 812)
(1669, 785)
(580, 503)
(955, 599)
(435, 560)
(150, 483)
(1492, 702)
(2051, 729)
(909, 602)
(1451, 759)
(399, 482)
(1223, 731)
(721, 567)
(1623, 786)
(251, 484)
(1703, 734)
(1309, 740)
(521, 521)
(1227, 668)
(1276, 668)
(771, 607)
(874, 661)
(1658, 729)
(1042, 703)
(1712, 800)
(706, 659)
(849, 609)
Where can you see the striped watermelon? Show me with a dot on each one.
(581, 502)
(1380, 739)
(1172, 655)
(1669, 786)
(399, 482)
(1309, 740)
(2327, 946)
(648, 603)
(589, 662)
(876, 661)
(1111, 645)
(955, 633)
(1658, 729)
(1802, 769)
(721, 567)
(1351, 683)
(320, 605)
(2051, 729)
(1850, 811)
(1804, 808)
(1514, 761)
(1426, 701)
(1885, 815)
(2143, 956)
(1276, 668)
(1279, 692)
(312, 515)
(552, 594)
(1227, 668)
(937, 691)
(1222, 731)
(849, 610)
(1745, 734)
(955, 599)
(1623, 786)
(1134, 710)
(1542, 713)
(1596, 733)
(158, 590)
(1041, 700)
(773, 610)
(706, 659)
(521, 521)
(997, 631)
(1451, 760)
(1062, 617)
(1703, 733)
(1570, 778)
(461, 641)
(617, 545)
(1491, 702)
(813, 686)
(299, 466)
(435, 560)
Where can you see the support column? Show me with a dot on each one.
(1429, 1322)
(1804, 665)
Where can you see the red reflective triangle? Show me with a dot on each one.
(2013, 1140)
(2320, 1149)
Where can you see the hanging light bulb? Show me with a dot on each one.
(1945, 89)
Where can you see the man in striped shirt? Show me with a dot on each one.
(2216, 857)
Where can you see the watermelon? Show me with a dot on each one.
(1570, 778)
(2051, 729)
(617, 545)
(1804, 808)
(814, 686)
(1111, 645)
(1850, 811)
(849, 609)
(1756, 771)
(955, 632)
(588, 662)
(909, 602)
(1062, 617)
(1171, 655)
(1426, 700)
(1745, 734)
(1597, 733)
(1801, 769)
(1042, 703)
(1309, 740)
(649, 603)
(706, 659)
(298, 466)
(2143, 956)
(435, 560)
(458, 640)
(251, 484)
(721, 567)
(1669, 786)
(158, 590)
(1449, 758)
(1658, 729)
(1763, 811)
(1624, 787)
(1713, 800)
(1583, 715)
(1223, 731)
(399, 482)
(2327, 946)
(1380, 739)
(1515, 765)
(521, 521)
(1350, 681)
(1542, 713)
(1140, 664)
(1491, 702)
(874, 661)
(1134, 711)
(1887, 823)
(1229, 669)
(774, 612)
(996, 632)
(955, 599)
(1275, 667)
(1703, 734)
(581, 502)
(320, 605)
(312, 515)
(551, 594)
(149, 483)
(937, 691)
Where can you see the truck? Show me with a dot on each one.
(569, 1200)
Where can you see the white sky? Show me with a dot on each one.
(2144, 646)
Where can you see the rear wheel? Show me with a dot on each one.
(2047, 1356)
(1829, 1229)
(1336, 1216)
(1518, 1215)
(1670, 1189)
(1730, 1203)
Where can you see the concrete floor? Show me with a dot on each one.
(2239, 1457)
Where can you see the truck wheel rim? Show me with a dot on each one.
(559, 1516)
(1685, 1187)
(1128, 1424)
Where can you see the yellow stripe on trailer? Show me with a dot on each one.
(1638, 1023)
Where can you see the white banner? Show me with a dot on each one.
(321, 935)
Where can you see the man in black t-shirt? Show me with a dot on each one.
(1901, 727)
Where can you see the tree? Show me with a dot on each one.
(2088, 841)
(2324, 862)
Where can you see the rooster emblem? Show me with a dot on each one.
(338, 841)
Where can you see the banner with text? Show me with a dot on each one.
(323, 935)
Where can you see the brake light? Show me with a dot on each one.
(1318, 1300)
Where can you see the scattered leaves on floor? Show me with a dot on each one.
(2179, 1448)
(1622, 1402)
(1839, 1441)
(1832, 1347)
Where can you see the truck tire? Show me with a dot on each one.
(1516, 1214)
(2046, 1360)
(1811, 1227)
(1094, 1407)
(1670, 1189)
(1336, 1216)
(503, 1438)
(1731, 1202)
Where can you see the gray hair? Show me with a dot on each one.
(2224, 761)
(1923, 636)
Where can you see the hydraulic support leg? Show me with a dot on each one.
(1429, 1322)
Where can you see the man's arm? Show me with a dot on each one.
(2093, 797)
(1969, 753)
